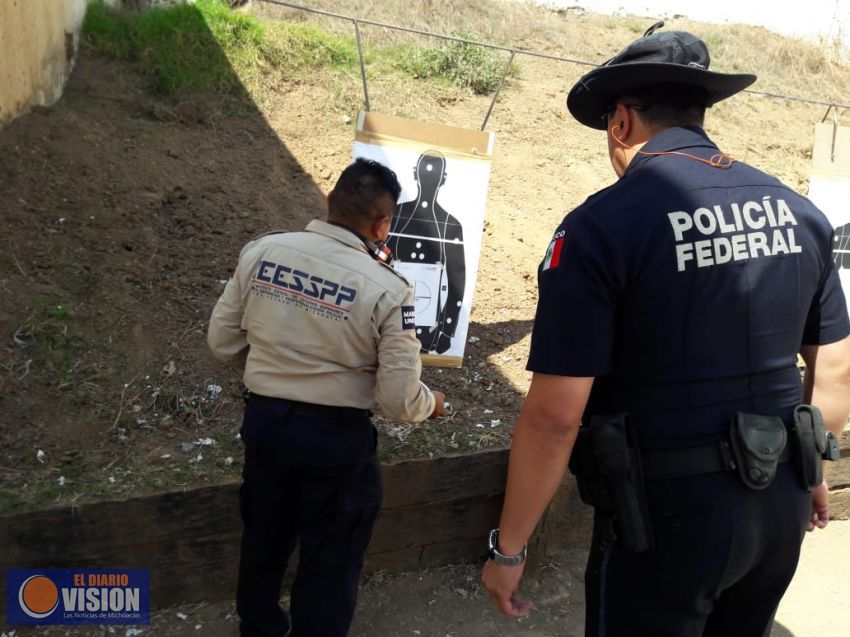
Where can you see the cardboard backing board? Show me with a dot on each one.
(829, 190)
(438, 225)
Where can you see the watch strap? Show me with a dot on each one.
(501, 558)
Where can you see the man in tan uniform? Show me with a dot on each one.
(325, 329)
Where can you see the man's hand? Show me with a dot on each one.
(820, 507)
(502, 582)
(439, 405)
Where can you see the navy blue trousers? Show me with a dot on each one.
(724, 556)
(315, 480)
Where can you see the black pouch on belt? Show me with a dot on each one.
(757, 442)
(810, 434)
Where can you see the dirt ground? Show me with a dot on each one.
(449, 602)
(122, 214)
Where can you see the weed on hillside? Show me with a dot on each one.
(470, 66)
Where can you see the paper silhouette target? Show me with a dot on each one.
(829, 190)
(437, 229)
(427, 242)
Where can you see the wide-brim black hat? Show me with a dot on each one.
(667, 57)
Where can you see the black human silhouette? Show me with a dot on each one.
(426, 234)
(841, 247)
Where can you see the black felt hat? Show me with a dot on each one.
(666, 57)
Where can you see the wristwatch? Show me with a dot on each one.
(500, 558)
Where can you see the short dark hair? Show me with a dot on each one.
(667, 104)
(359, 187)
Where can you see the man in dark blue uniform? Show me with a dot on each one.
(672, 308)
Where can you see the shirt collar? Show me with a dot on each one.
(676, 138)
(340, 233)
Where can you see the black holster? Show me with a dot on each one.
(809, 434)
(607, 466)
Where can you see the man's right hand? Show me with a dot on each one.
(439, 405)
(820, 507)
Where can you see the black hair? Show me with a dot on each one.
(667, 104)
(359, 188)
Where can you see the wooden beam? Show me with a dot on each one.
(434, 512)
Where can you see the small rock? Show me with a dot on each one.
(182, 616)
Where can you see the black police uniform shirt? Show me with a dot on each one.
(687, 291)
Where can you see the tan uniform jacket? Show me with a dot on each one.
(322, 322)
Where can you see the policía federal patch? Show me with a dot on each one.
(408, 317)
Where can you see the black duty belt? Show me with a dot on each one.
(307, 409)
(692, 461)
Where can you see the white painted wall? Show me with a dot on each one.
(38, 39)
(819, 20)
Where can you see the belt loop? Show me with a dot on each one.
(726, 456)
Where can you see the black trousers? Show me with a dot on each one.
(724, 556)
(311, 478)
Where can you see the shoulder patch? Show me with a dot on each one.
(408, 317)
(553, 252)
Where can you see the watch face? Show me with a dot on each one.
(492, 542)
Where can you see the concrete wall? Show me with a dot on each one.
(38, 40)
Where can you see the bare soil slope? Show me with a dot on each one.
(122, 213)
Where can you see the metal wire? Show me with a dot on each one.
(442, 36)
(498, 89)
(498, 47)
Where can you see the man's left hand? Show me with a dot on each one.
(502, 582)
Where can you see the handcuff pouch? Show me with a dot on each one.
(757, 443)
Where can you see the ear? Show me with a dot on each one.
(620, 123)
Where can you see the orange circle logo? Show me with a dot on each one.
(38, 596)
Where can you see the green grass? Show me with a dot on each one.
(174, 48)
(207, 47)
